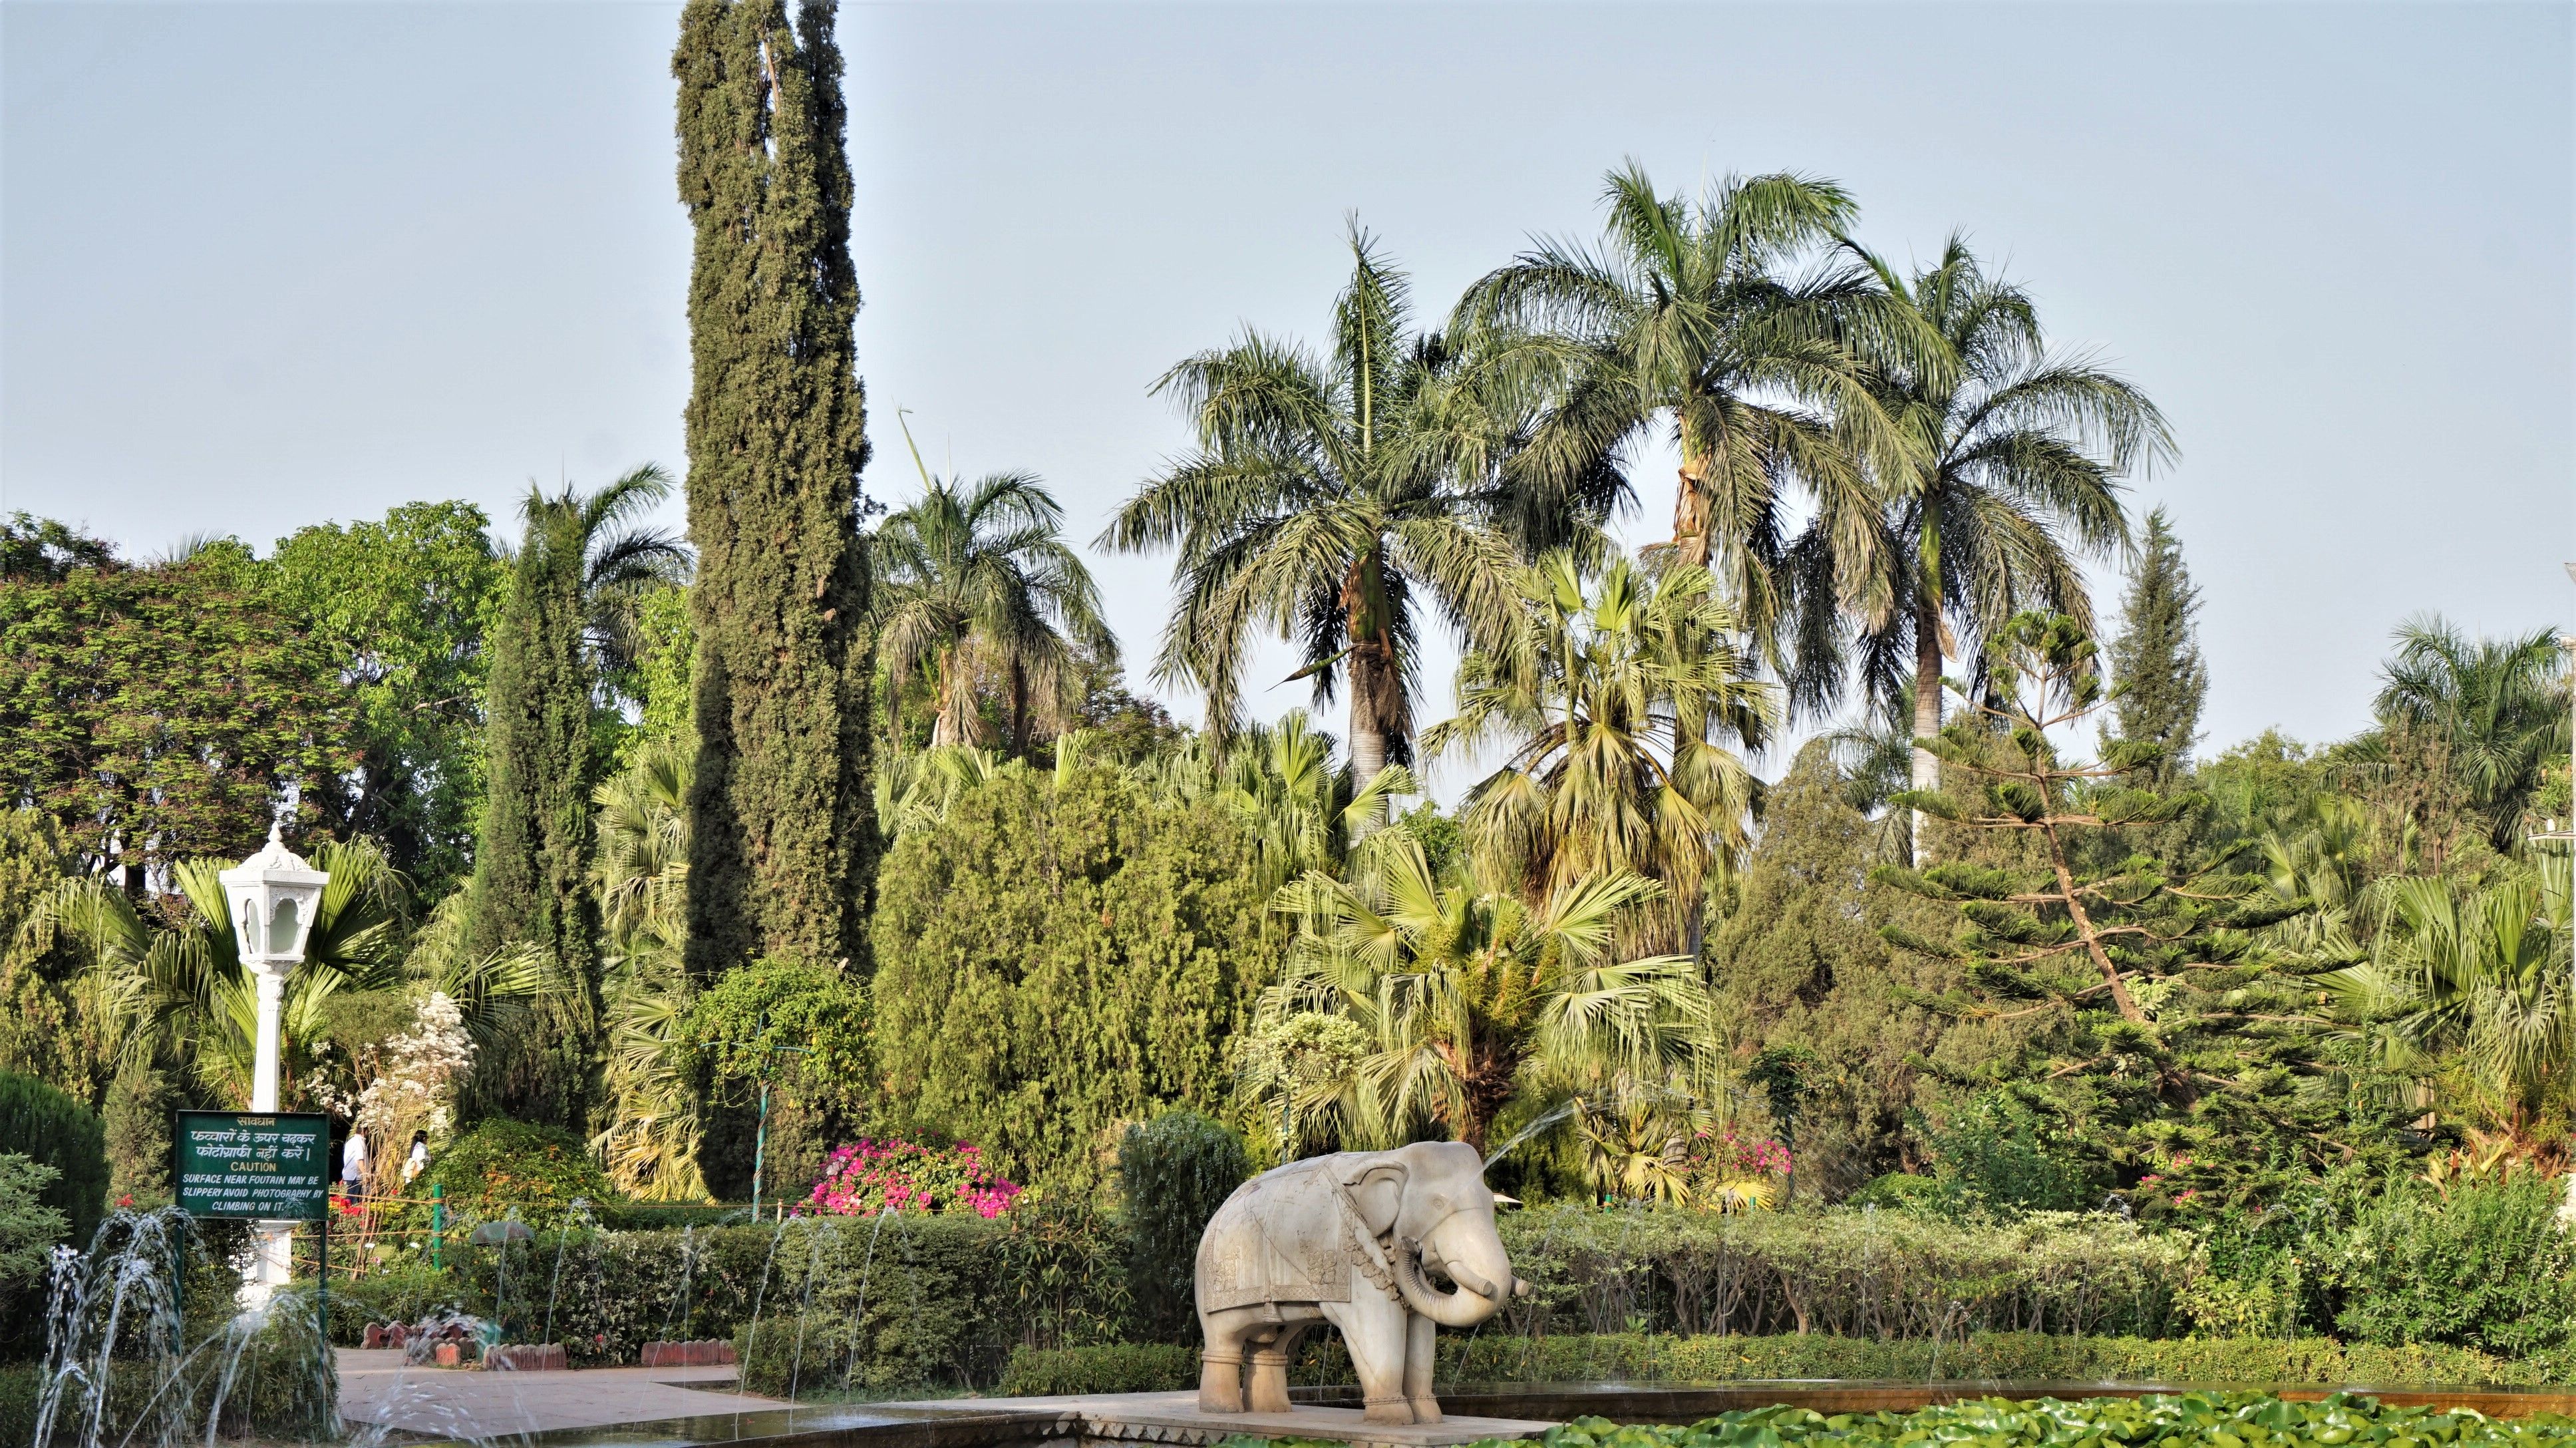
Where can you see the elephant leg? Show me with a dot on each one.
(1221, 1337)
(1269, 1385)
(1374, 1330)
(1421, 1347)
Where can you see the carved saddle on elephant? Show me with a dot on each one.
(1248, 1266)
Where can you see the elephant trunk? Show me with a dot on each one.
(1462, 1308)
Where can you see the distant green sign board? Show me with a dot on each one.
(271, 1167)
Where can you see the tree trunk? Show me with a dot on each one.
(1019, 711)
(1927, 709)
(946, 729)
(1376, 680)
(1690, 511)
(1368, 741)
(2084, 922)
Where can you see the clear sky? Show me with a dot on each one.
(262, 265)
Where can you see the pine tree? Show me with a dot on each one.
(2163, 1025)
(782, 837)
(2156, 659)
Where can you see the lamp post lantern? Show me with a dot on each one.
(272, 896)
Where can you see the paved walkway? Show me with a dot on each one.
(376, 1386)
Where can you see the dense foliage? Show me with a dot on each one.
(532, 860)
(403, 607)
(159, 712)
(1641, 1357)
(1059, 956)
(1173, 1172)
(51, 1128)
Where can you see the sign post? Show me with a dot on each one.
(265, 1166)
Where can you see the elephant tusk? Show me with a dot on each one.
(1472, 1282)
(1521, 1287)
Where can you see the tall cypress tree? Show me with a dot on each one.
(531, 857)
(542, 759)
(781, 830)
(2156, 659)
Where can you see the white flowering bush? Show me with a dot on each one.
(416, 1085)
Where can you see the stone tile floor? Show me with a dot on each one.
(378, 1387)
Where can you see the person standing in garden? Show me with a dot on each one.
(353, 1164)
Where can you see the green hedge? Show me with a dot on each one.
(2003, 1356)
(20, 1384)
(1122, 1367)
(272, 1397)
(2022, 1356)
(946, 1298)
(1853, 1273)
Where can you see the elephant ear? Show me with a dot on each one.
(1379, 1192)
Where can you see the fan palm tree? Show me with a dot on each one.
(1331, 498)
(1458, 990)
(1686, 318)
(2496, 709)
(1623, 705)
(2483, 972)
(977, 576)
(2009, 475)
(650, 1145)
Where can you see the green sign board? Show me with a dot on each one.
(271, 1167)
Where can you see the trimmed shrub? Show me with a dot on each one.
(937, 1300)
(20, 1385)
(1057, 958)
(1173, 1173)
(501, 1164)
(1125, 1367)
(50, 1126)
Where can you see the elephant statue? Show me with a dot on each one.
(1353, 1240)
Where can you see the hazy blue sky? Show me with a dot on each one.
(262, 265)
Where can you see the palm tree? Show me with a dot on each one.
(978, 577)
(650, 1144)
(2493, 710)
(1458, 991)
(2010, 473)
(1303, 813)
(1622, 705)
(2483, 972)
(1685, 317)
(614, 559)
(1331, 497)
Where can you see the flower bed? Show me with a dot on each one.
(867, 1177)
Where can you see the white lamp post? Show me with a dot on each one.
(273, 896)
